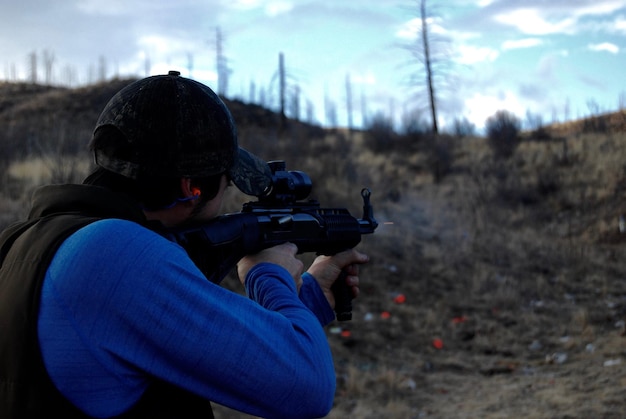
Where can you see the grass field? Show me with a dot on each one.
(498, 291)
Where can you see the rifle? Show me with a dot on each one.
(282, 214)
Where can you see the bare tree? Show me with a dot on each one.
(146, 65)
(349, 102)
(252, 94)
(289, 92)
(428, 66)
(310, 112)
(69, 75)
(262, 98)
(330, 110)
(32, 67)
(48, 62)
(102, 68)
(593, 106)
(295, 103)
(534, 121)
(90, 74)
(282, 87)
(364, 117)
(221, 63)
(431, 50)
(10, 72)
(555, 115)
(190, 65)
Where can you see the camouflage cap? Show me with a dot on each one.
(165, 126)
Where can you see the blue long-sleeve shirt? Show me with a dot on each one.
(121, 304)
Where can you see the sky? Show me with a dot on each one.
(551, 60)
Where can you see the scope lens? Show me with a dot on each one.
(301, 185)
(288, 187)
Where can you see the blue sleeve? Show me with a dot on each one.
(312, 296)
(120, 304)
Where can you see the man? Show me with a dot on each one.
(100, 316)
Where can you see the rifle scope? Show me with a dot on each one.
(288, 186)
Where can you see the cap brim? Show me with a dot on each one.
(251, 174)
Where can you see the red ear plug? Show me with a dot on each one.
(196, 192)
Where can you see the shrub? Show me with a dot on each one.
(440, 155)
(462, 127)
(380, 133)
(503, 133)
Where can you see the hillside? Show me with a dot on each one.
(612, 123)
(495, 290)
(39, 119)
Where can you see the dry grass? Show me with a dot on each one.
(525, 252)
(516, 266)
(50, 169)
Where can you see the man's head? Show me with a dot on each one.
(171, 127)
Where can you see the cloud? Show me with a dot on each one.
(534, 22)
(468, 54)
(593, 81)
(521, 43)
(245, 4)
(481, 106)
(159, 45)
(598, 7)
(94, 7)
(537, 17)
(367, 78)
(619, 25)
(533, 91)
(604, 46)
(144, 9)
(276, 8)
(413, 27)
(547, 67)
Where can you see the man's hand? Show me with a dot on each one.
(283, 255)
(326, 270)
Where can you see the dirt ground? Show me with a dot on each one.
(563, 377)
(518, 306)
(492, 298)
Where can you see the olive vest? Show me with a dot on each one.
(26, 250)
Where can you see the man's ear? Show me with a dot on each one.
(187, 190)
